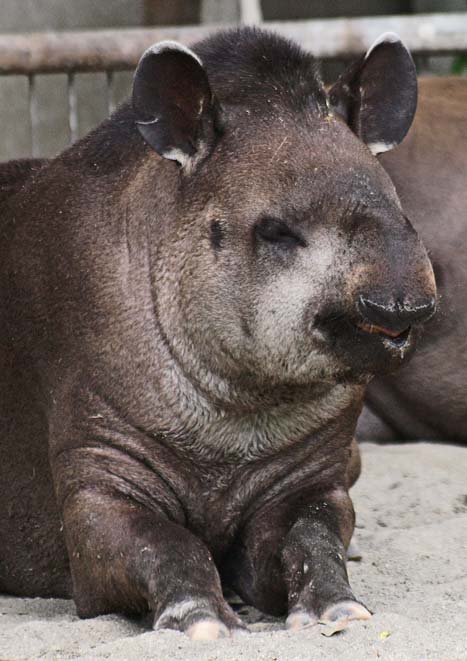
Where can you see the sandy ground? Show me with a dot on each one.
(411, 506)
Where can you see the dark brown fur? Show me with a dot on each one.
(427, 399)
(15, 174)
(196, 397)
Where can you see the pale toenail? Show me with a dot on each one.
(345, 611)
(299, 620)
(207, 630)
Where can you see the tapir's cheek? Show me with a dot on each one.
(283, 313)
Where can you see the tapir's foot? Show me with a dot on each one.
(338, 616)
(200, 620)
(353, 551)
(344, 612)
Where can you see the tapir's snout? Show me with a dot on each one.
(397, 289)
(395, 316)
(389, 293)
(400, 300)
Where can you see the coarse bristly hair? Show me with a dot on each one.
(247, 68)
(246, 65)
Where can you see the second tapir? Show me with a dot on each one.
(192, 300)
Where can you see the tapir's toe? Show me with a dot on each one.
(338, 616)
(299, 620)
(207, 630)
(200, 620)
(341, 614)
(353, 551)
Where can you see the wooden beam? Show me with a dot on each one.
(49, 52)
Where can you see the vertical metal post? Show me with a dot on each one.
(110, 91)
(250, 12)
(33, 115)
(72, 107)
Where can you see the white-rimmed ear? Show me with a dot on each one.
(175, 110)
(377, 94)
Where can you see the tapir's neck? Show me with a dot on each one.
(216, 420)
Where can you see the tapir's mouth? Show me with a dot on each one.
(396, 337)
(377, 347)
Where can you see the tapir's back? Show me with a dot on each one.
(428, 398)
(14, 174)
(30, 527)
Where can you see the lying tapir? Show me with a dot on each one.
(193, 298)
(427, 399)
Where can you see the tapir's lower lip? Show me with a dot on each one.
(396, 337)
(359, 334)
(371, 328)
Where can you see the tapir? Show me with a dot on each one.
(193, 299)
(427, 399)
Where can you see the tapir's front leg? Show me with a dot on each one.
(299, 568)
(314, 564)
(128, 558)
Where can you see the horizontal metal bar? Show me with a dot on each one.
(49, 52)
(54, 52)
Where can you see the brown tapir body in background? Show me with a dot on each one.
(186, 340)
(427, 399)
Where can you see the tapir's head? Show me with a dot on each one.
(288, 257)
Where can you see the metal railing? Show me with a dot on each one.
(117, 50)
(72, 97)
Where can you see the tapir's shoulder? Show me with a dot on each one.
(444, 89)
(442, 102)
(80, 176)
(14, 175)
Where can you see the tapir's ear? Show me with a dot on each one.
(176, 112)
(377, 95)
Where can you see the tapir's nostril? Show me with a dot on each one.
(397, 315)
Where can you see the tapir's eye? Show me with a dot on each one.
(273, 230)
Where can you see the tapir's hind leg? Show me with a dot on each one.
(33, 558)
